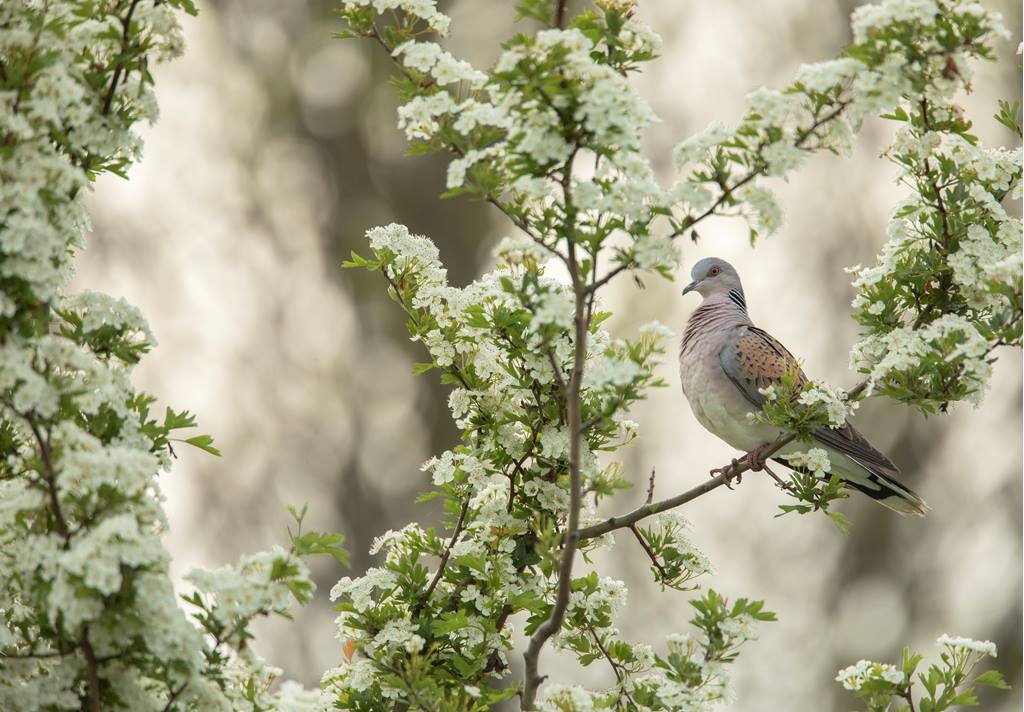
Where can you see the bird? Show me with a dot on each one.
(725, 361)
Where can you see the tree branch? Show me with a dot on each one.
(91, 671)
(559, 19)
(126, 25)
(650, 553)
(724, 476)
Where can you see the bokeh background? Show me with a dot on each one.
(277, 149)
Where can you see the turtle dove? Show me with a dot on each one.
(725, 361)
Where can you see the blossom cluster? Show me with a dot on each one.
(89, 618)
(947, 288)
(948, 684)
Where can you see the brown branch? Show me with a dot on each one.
(723, 477)
(628, 520)
(535, 431)
(559, 19)
(174, 696)
(50, 475)
(126, 24)
(650, 488)
(91, 671)
(532, 678)
(444, 556)
(650, 553)
(556, 369)
(620, 676)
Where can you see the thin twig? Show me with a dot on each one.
(650, 488)
(50, 475)
(535, 431)
(126, 24)
(444, 555)
(620, 675)
(650, 553)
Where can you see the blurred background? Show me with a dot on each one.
(277, 149)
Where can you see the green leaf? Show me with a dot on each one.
(992, 678)
(203, 442)
(321, 544)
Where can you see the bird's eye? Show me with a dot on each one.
(713, 272)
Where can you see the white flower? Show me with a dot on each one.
(854, 677)
(834, 399)
(984, 647)
(696, 147)
(815, 460)
(772, 107)
(657, 329)
(822, 76)
(764, 212)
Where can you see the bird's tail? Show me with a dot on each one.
(879, 486)
(886, 491)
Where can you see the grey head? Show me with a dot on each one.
(713, 276)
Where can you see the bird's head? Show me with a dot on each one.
(712, 276)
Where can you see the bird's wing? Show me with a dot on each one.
(754, 359)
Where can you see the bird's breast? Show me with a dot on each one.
(716, 402)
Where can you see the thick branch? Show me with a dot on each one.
(553, 624)
(91, 672)
(559, 18)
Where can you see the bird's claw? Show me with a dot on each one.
(724, 471)
(757, 458)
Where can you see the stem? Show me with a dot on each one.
(519, 465)
(126, 24)
(50, 476)
(444, 556)
(620, 674)
(650, 553)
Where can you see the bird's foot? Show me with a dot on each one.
(726, 472)
(757, 457)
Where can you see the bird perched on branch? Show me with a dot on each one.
(725, 361)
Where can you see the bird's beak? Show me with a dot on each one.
(691, 286)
